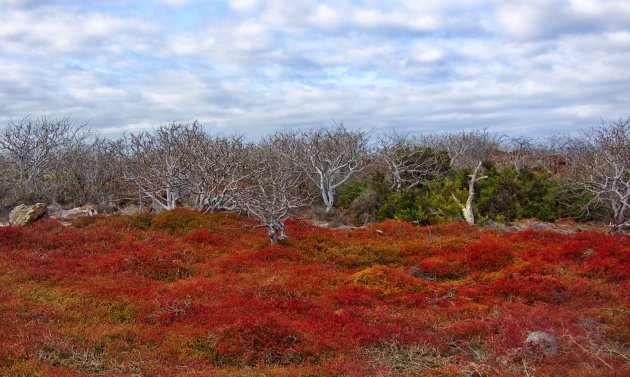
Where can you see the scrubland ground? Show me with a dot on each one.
(182, 293)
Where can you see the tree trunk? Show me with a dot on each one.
(397, 178)
(619, 213)
(171, 199)
(273, 237)
(468, 213)
(467, 210)
(329, 198)
(276, 232)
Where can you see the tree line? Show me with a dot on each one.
(427, 179)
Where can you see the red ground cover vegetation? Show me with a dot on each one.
(184, 293)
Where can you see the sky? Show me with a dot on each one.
(535, 67)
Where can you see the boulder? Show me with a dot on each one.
(25, 214)
(540, 342)
(86, 210)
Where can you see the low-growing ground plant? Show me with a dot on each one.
(186, 293)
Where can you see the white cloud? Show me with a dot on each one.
(604, 10)
(583, 111)
(551, 18)
(427, 52)
(327, 17)
(256, 65)
(51, 31)
(246, 5)
(372, 19)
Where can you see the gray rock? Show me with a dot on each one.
(494, 225)
(541, 342)
(86, 210)
(25, 214)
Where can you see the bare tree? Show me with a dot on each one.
(274, 190)
(599, 164)
(91, 172)
(550, 154)
(467, 209)
(31, 150)
(5, 183)
(330, 156)
(218, 171)
(466, 148)
(410, 163)
(521, 152)
(158, 163)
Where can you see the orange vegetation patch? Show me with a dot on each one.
(389, 280)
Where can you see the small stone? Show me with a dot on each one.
(541, 342)
(588, 253)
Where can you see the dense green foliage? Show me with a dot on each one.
(505, 195)
(508, 195)
(430, 204)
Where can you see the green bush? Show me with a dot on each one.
(364, 195)
(430, 204)
(505, 195)
(509, 195)
(365, 207)
(348, 192)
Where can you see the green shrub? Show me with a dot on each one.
(430, 204)
(348, 192)
(509, 195)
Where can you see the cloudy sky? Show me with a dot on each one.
(521, 67)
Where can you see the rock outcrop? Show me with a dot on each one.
(25, 214)
(86, 210)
